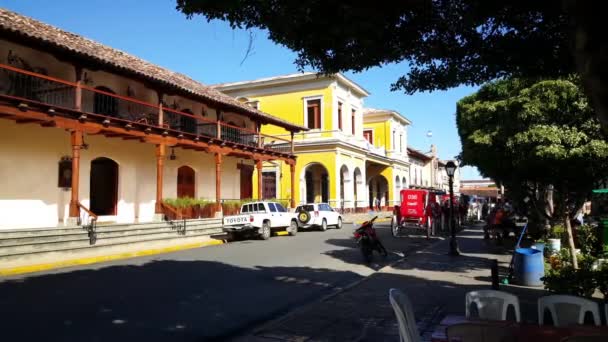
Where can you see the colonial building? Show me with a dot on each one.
(87, 128)
(349, 157)
(428, 171)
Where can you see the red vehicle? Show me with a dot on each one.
(415, 211)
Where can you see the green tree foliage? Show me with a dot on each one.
(445, 42)
(530, 135)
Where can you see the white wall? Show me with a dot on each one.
(29, 196)
(349, 102)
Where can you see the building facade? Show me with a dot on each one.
(90, 129)
(339, 162)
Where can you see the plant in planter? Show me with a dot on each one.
(554, 239)
(570, 281)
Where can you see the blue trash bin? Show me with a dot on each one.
(529, 266)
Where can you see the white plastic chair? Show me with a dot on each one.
(567, 310)
(492, 304)
(408, 331)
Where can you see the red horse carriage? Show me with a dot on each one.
(417, 210)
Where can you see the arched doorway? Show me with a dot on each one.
(404, 183)
(105, 104)
(186, 182)
(104, 186)
(358, 180)
(343, 192)
(378, 189)
(316, 183)
(187, 123)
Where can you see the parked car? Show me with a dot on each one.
(261, 218)
(318, 215)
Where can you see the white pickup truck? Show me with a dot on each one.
(261, 218)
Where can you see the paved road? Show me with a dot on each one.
(200, 294)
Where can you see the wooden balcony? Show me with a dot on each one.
(29, 97)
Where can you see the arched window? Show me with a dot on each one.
(185, 182)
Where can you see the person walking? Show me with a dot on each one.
(378, 204)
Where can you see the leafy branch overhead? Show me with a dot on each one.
(446, 43)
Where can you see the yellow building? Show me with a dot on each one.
(337, 161)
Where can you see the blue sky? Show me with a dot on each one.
(213, 52)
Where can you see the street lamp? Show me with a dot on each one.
(450, 169)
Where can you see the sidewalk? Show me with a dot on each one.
(435, 282)
(358, 218)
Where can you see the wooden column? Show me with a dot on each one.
(161, 114)
(160, 161)
(292, 147)
(219, 127)
(218, 181)
(292, 169)
(259, 131)
(76, 139)
(258, 166)
(78, 89)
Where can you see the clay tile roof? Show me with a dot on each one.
(417, 154)
(72, 43)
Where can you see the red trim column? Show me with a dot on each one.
(218, 181)
(258, 166)
(292, 169)
(76, 139)
(160, 161)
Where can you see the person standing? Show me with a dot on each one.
(378, 204)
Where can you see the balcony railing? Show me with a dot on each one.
(35, 88)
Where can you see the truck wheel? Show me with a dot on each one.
(293, 228)
(339, 225)
(394, 226)
(265, 231)
(324, 225)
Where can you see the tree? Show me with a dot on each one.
(535, 136)
(446, 42)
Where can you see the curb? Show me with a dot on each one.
(104, 258)
(380, 220)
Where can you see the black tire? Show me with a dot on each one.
(265, 231)
(339, 225)
(293, 228)
(324, 225)
(304, 217)
(394, 226)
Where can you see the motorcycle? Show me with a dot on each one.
(368, 241)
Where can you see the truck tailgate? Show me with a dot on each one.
(236, 220)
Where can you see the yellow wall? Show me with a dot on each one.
(290, 107)
(327, 159)
(382, 134)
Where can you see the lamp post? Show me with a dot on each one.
(450, 168)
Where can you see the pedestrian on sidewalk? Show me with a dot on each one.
(378, 204)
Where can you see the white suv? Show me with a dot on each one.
(319, 215)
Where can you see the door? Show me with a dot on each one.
(246, 184)
(283, 214)
(330, 214)
(185, 182)
(269, 184)
(103, 186)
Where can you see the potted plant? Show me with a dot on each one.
(554, 239)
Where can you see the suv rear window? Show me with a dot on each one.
(308, 207)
